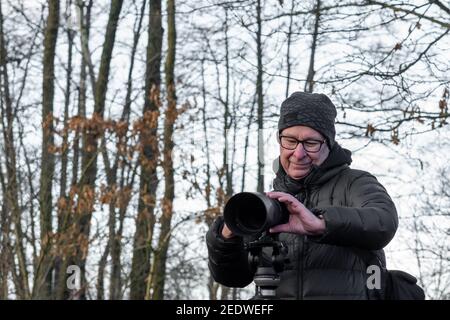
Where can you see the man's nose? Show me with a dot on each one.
(300, 152)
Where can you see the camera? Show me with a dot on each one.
(251, 213)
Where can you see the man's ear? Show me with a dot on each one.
(278, 136)
(276, 165)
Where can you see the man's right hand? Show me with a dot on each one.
(226, 233)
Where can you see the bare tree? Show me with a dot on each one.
(10, 184)
(309, 85)
(260, 98)
(428, 227)
(158, 272)
(90, 148)
(43, 280)
(145, 222)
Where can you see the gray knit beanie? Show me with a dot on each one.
(314, 110)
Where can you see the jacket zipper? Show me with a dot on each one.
(301, 267)
(301, 258)
(304, 240)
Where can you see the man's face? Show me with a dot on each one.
(298, 162)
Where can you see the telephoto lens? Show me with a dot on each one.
(251, 213)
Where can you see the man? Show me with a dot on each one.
(335, 212)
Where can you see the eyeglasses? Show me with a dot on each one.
(310, 145)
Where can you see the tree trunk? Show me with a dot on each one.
(86, 185)
(145, 221)
(90, 148)
(100, 274)
(247, 136)
(260, 99)
(5, 227)
(5, 217)
(227, 117)
(171, 114)
(63, 209)
(43, 279)
(288, 53)
(67, 219)
(212, 285)
(309, 85)
(206, 137)
(12, 196)
(115, 236)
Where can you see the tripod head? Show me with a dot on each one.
(267, 276)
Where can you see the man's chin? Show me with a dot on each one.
(298, 174)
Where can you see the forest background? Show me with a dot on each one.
(127, 124)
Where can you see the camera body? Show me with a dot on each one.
(251, 213)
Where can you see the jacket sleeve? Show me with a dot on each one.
(369, 221)
(227, 258)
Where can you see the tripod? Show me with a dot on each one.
(267, 276)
